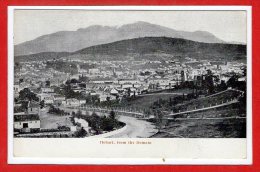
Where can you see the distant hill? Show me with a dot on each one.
(154, 48)
(44, 55)
(95, 35)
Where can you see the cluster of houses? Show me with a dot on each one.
(109, 81)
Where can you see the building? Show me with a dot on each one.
(58, 98)
(94, 71)
(49, 100)
(47, 90)
(33, 107)
(73, 102)
(27, 122)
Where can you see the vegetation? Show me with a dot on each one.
(42, 104)
(40, 56)
(100, 123)
(80, 133)
(173, 46)
(26, 94)
(192, 128)
(57, 111)
(67, 67)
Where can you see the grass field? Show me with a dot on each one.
(52, 120)
(144, 101)
(147, 100)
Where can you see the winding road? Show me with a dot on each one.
(135, 128)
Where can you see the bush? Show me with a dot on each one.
(57, 111)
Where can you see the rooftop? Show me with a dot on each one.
(29, 117)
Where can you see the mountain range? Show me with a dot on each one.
(150, 48)
(70, 41)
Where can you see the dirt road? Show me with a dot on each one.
(135, 128)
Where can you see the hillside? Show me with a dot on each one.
(97, 34)
(158, 46)
(154, 48)
(44, 55)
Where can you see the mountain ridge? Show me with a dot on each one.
(97, 34)
(154, 47)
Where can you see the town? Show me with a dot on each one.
(74, 97)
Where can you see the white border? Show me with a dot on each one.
(20, 160)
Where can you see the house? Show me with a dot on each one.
(73, 102)
(92, 93)
(33, 107)
(16, 88)
(82, 124)
(103, 97)
(112, 91)
(106, 96)
(79, 90)
(49, 100)
(102, 81)
(142, 89)
(94, 71)
(242, 79)
(27, 122)
(47, 90)
(112, 97)
(128, 81)
(42, 96)
(58, 99)
(82, 102)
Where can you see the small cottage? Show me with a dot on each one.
(27, 122)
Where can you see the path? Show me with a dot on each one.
(135, 128)
(202, 109)
(150, 94)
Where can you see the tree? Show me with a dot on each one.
(79, 112)
(69, 93)
(112, 115)
(80, 133)
(26, 94)
(232, 82)
(223, 85)
(159, 118)
(94, 121)
(42, 104)
(216, 79)
(209, 83)
(128, 92)
(244, 71)
(47, 83)
(73, 81)
(20, 80)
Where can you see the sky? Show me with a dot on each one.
(227, 25)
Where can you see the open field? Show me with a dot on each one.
(53, 121)
(145, 101)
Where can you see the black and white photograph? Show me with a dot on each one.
(129, 74)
